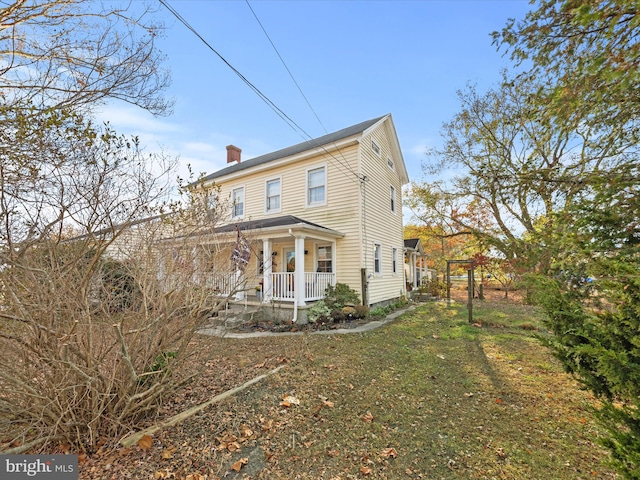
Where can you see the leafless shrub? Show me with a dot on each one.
(98, 305)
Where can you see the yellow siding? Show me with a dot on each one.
(382, 225)
(363, 219)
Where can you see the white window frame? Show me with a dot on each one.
(308, 202)
(233, 202)
(394, 260)
(266, 195)
(390, 164)
(330, 259)
(376, 148)
(393, 197)
(377, 258)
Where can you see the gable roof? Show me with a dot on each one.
(413, 244)
(294, 149)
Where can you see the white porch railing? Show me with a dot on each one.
(284, 288)
(316, 284)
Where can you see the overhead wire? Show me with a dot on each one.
(288, 120)
(346, 163)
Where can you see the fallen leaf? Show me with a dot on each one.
(245, 431)
(468, 394)
(239, 464)
(145, 442)
(365, 470)
(441, 357)
(389, 452)
(328, 403)
(367, 417)
(195, 476)
(260, 365)
(168, 453)
(289, 400)
(498, 400)
(162, 474)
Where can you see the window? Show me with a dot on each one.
(376, 148)
(377, 258)
(393, 199)
(390, 163)
(237, 202)
(272, 201)
(316, 186)
(325, 259)
(394, 260)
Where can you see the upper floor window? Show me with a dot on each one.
(272, 200)
(376, 148)
(237, 202)
(393, 199)
(390, 163)
(317, 186)
(377, 258)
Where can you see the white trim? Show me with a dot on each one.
(378, 273)
(323, 203)
(394, 260)
(266, 193)
(244, 202)
(376, 148)
(393, 199)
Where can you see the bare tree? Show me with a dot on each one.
(74, 54)
(97, 302)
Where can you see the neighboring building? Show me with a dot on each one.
(324, 211)
(415, 266)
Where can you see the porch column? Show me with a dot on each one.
(299, 282)
(267, 270)
(414, 268)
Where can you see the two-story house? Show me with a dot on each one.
(320, 212)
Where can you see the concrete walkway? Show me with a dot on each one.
(221, 331)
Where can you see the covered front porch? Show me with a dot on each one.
(290, 260)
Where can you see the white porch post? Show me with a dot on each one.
(267, 270)
(299, 281)
(414, 269)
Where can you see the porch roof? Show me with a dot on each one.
(413, 245)
(279, 224)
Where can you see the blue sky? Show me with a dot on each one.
(354, 60)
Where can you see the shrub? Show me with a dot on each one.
(340, 296)
(319, 312)
(361, 311)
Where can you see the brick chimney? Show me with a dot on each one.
(233, 154)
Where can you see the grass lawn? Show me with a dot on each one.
(428, 396)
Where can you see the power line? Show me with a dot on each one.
(346, 163)
(285, 66)
(292, 124)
